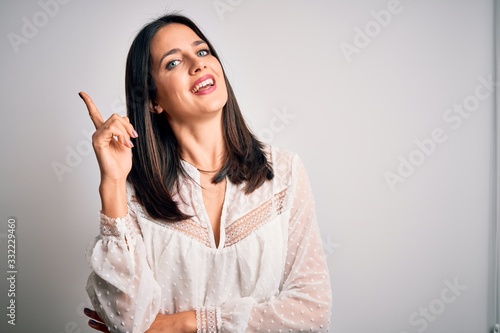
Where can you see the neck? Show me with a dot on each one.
(201, 143)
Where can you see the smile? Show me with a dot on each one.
(203, 85)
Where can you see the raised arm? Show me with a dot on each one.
(112, 146)
(121, 287)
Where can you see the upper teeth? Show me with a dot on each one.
(202, 84)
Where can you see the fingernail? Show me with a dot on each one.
(92, 322)
(135, 133)
(80, 94)
(87, 311)
(130, 143)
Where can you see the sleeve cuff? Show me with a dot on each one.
(208, 320)
(117, 226)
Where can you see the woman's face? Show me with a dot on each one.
(189, 79)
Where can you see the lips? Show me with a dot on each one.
(204, 85)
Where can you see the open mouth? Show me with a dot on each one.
(203, 85)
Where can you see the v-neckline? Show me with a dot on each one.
(205, 219)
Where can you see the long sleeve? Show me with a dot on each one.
(122, 287)
(304, 302)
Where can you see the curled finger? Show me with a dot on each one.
(118, 132)
(130, 128)
(98, 326)
(92, 314)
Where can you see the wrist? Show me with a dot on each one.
(189, 322)
(113, 197)
(112, 182)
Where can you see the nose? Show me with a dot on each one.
(198, 65)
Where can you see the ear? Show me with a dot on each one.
(155, 107)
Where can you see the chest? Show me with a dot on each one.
(213, 197)
(191, 274)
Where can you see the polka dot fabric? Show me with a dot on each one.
(268, 274)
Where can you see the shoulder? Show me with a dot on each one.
(279, 157)
(286, 164)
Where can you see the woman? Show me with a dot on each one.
(203, 228)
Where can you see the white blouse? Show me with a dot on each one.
(268, 273)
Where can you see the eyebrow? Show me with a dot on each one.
(172, 51)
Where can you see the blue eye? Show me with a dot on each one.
(173, 64)
(203, 53)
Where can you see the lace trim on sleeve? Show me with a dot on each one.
(208, 320)
(117, 226)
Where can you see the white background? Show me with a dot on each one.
(392, 250)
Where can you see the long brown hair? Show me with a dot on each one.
(156, 161)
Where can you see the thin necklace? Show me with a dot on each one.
(202, 170)
(207, 171)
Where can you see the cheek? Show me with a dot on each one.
(218, 70)
(171, 90)
(224, 90)
(223, 87)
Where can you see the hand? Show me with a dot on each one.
(111, 142)
(178, 322)
(95, 321)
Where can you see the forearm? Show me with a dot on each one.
(294, 310)
(184, 322)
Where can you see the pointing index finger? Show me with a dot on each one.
(94, 113)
